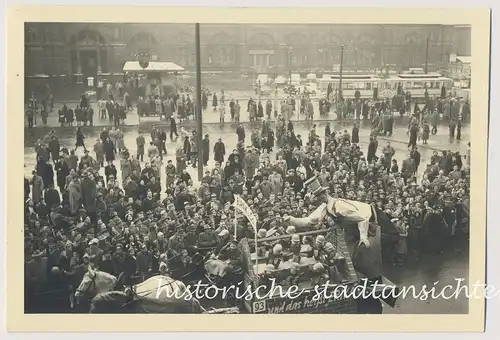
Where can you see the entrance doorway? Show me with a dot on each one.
(261, 62)
(88, 60)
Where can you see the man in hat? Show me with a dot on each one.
(367, 255)
(353, 211)
(124, 263)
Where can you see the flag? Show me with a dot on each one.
(243, 207)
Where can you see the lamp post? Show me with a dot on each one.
(342, 49)
(289, 49)
(198, 103)
(426, 54)
(427, 47)
(339, 95)
(289, 53)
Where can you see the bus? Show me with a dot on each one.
(387, 87)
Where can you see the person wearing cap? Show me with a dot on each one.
(124, 263)
(224, 238)
(75, 195)
(176, 243)
(161, 243)
(275, 255)
(206, 149)
(401, 246)
(37, 187)
(351, 211)
(144, 262)
(208, 237)
(170, 173)
(86, 262)
(319, 274)
(94, 252)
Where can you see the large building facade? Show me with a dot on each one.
(89, 49)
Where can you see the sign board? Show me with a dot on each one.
(90, 81)
(453, 57)
(308, 302)
(242, 206)
(259, 306)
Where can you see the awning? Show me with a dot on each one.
(464, 59)
(154, 66)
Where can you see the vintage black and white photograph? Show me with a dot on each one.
(246, 168)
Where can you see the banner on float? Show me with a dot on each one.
(243, 207)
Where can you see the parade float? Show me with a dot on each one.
(322, 259)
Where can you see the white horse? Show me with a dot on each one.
(160, 287)
(95, 282)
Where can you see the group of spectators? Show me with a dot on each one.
(138, 221)
(141, 221)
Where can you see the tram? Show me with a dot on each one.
(415, 83)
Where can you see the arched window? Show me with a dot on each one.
(184, 50)
(298, 45)
(88, 54)
(329, 49)
(261, 51)
(143, 42)
(261, 41)
(366, 50)
(415, 49)
(221, 50)
(87, 38)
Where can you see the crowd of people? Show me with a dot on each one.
(151, 217)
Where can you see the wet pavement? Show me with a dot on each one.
(432, 271)
(399, 141)
(209, 115)
(418, 270)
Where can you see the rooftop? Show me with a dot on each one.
(154, 66)
(465, 59)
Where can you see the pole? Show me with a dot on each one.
(290, 64)
(198, 103)
(275, 101)
(256, 261)
(339, 114)
(341, 70)
(426, 54)
(297, 105)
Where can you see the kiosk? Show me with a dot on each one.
(157, 79)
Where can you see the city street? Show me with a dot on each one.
(419, 270)
(228, 135)
(418, 233)
(209, 115)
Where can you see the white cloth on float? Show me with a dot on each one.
(354, 211)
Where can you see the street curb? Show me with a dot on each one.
(420, 146)
(44, 130)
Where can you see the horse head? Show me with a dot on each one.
(95, 282)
